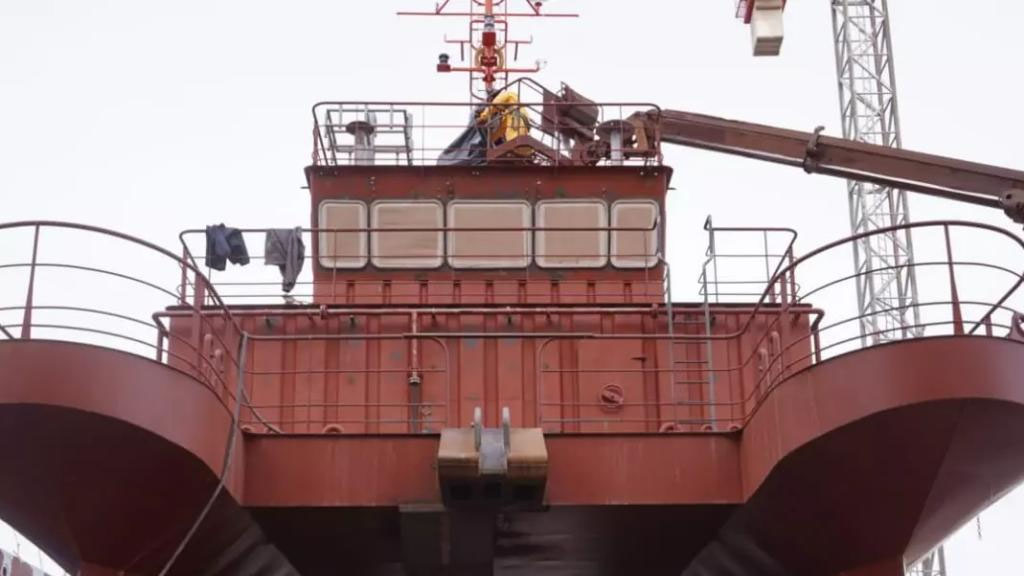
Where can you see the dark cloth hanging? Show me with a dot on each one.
(284, 248)
(223, 244)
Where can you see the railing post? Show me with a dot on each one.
(160, 346)
(783, 325)
(183, 287)
(709, 363)
(558, 134)
(792, 273)
(316, 151)
(958, 320)
(197, 322)
(26, 322)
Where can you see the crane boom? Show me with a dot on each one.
(929, 174)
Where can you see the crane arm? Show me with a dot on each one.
(940, 176)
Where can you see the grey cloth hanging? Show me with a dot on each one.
(284, 248)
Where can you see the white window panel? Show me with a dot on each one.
(339, 249)
(639, 248)
(393, 248)
(586, 248)
(490, 248)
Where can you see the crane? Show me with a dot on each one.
(878, 173)
(886, 282)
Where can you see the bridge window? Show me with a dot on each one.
(639, 248)
(587, 248)
(407, 234)
(343, 249)
(491, 248)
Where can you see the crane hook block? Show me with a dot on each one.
(766, 29)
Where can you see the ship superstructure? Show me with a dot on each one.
(470, 362)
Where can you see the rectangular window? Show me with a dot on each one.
(340, 249)
(587, 248)
(421, 245)
(490, 248)
(634, 248)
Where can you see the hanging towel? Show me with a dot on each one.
(223, 244)
(284, 249)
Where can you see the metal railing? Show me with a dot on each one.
(554, 131)
(252, 285)
(78, 283)
(90, 285)
(734, 257)
(965, 297)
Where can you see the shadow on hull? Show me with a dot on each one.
(917, 438)
(107, 463)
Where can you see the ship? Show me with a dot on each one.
(486, 372)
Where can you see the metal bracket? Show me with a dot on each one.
(478, 427)
(493, 444)
(813, 154)
(1013, 205)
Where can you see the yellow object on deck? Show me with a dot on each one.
(505, 120)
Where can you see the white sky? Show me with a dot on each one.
(151, 117)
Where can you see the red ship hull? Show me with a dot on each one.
(795, 492)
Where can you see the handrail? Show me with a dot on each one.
(333, 140)
(790, 307)
(641, 263)
(779, 306)
(185, 266)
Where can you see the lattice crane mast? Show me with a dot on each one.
(886, 282)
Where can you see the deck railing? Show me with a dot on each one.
(70, 282)
(257, 284)
(351, 133)
(77, 283)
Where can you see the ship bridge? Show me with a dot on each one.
(481, 369)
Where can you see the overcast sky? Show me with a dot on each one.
(151, 117)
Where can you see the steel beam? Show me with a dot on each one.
(930, 174)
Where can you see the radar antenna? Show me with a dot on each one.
(488, 52)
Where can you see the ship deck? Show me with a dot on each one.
(837, 455)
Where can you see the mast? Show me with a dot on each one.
(886, 284)
(488, 52)
(887, 294)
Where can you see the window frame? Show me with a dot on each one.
(651, 260)
(528, 255)
(375, 231)
(321, 234)
(539, 243)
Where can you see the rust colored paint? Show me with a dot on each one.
(444, 286)
(955, 406)
(352, 369)
(944, 177)
(585, 470)
(801, 511)
(856, 461)
(643, 469)
(851, 387)
(340, 471)
(165, 402)
(96, 434)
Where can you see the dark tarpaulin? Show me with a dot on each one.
(470, 148)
